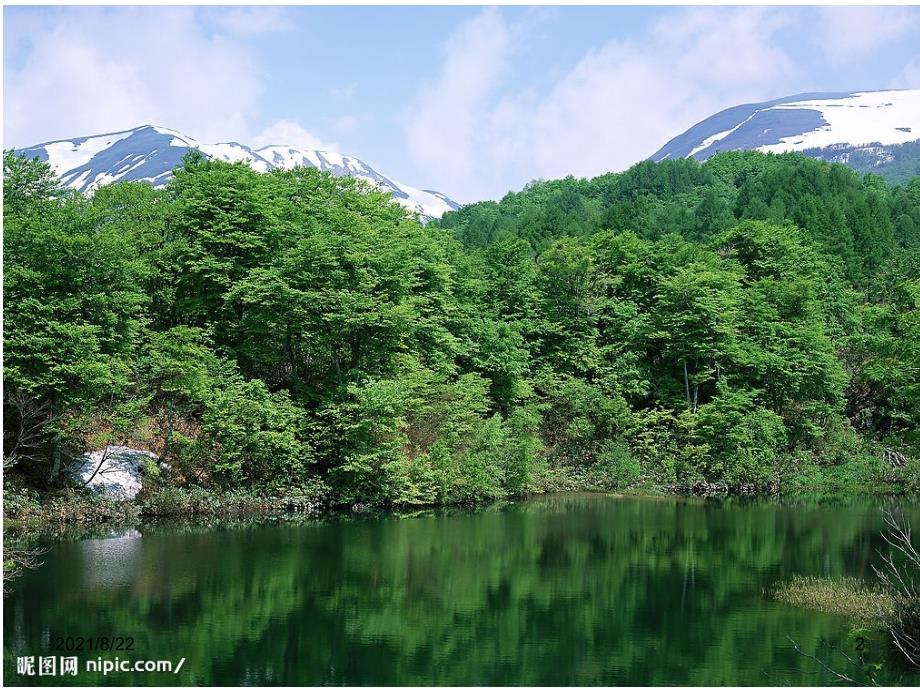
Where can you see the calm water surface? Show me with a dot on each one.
(568, 589)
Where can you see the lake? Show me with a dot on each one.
(563, 589)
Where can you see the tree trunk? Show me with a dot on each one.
(55, 444)
(170, 425)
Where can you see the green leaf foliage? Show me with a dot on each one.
(750, 322)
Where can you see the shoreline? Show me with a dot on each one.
(83, 514)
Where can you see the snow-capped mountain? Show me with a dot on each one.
(868, 125)
(150, 153)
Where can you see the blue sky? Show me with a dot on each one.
(471, 101)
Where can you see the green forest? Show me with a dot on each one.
(748, 324)
(900, 163)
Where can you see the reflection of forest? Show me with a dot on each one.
(568, 590)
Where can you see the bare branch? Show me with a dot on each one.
(839, 676)
(898, 575)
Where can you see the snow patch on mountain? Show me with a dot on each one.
(68, 155)
(874, 117)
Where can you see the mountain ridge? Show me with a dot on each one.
(834, 126)
(150, 153)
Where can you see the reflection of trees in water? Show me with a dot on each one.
(579, 589)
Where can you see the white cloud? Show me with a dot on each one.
(616, 106)
(347, 122)
(250, 21)
(93, 70)
(849, 33)
(290, 133)
(910, 75)
(344, 91)
(445, 120)
(86, 74)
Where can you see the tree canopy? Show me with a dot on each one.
(750, 321)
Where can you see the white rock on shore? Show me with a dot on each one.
(121, 474)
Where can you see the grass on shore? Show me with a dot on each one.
(864, 604)
(26, 510)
